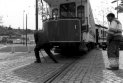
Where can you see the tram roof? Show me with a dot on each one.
(54, 2)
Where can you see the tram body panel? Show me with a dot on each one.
(64, 30)
(52, 30)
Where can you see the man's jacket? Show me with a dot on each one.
(40, 37)
(115, 31)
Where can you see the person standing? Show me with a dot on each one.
(42, 42)
(113, 39)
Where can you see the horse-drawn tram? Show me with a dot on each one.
(71, 25)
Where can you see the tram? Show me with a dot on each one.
(101, 36)
(70, 25)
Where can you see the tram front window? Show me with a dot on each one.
(81, 13)
(68, 10)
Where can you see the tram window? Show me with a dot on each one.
(68, 10)
(55, 13)
(101, 32)
(81, 12)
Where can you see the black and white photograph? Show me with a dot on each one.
(61, 41)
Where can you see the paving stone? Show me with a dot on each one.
(79, 81)
(23, 70)
(90, 69)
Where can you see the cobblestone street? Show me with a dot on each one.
(20, 67)
(61, 41)
(91, 68)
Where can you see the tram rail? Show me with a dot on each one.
(61, 72)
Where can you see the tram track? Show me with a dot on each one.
(60, 73)
(64, 73)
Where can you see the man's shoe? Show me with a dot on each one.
(113, 68)
(37, 62)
